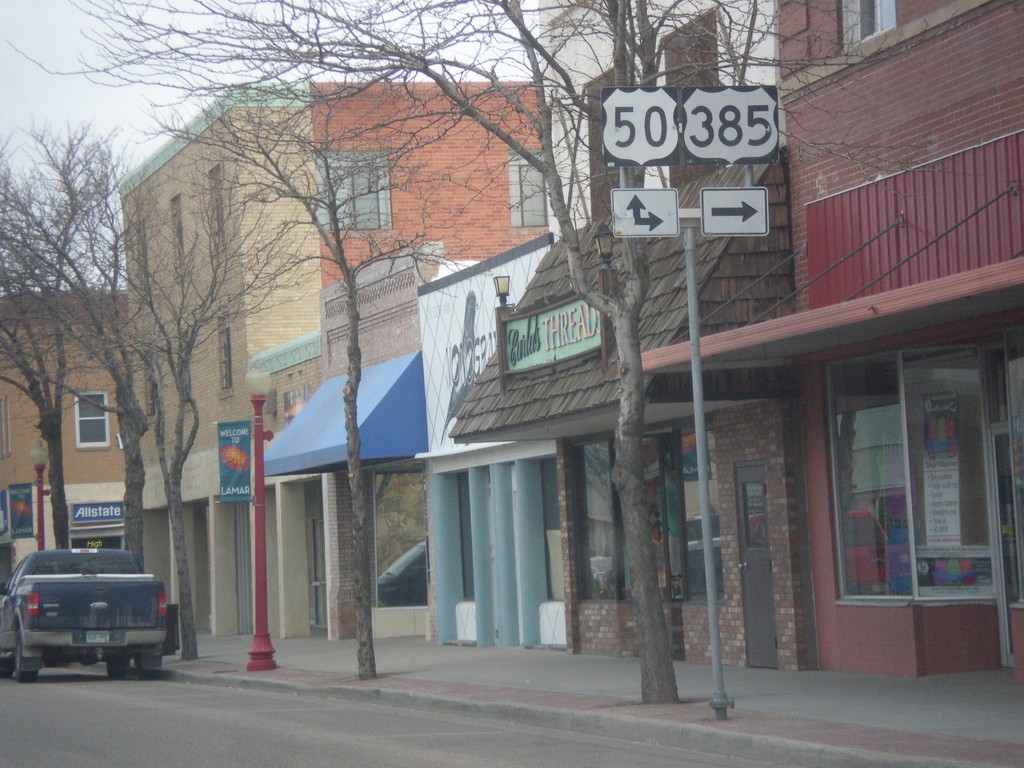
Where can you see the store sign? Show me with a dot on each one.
(550, 336)
(98, 512)
(5, 520)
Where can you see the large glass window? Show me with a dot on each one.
(1011, 508)
(399, 506)
(552, 529)
(947, 467)
(870, 487)
(695, 581)
(674, 521)
(599, 530)
(910, 476)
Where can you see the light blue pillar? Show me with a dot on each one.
(483, 582)
(447, 554)
(505, 556)
(533, 569)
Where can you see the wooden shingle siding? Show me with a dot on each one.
(732, 294)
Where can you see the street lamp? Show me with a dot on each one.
(261, 653)
(38, 456)
(605, 239)
(501, 288)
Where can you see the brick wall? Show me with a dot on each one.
(338, 517)
(934, 86)
(449, 176)
(762, 433)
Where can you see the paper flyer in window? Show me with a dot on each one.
(941, 469)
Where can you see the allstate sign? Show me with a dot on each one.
(98, 512)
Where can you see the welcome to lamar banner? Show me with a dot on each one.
(234, 455)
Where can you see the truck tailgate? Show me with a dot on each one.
(97, 602)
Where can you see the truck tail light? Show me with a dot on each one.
(162, 605)
(32, 606)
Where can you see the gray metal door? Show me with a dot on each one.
(316, 572)
(756, 567)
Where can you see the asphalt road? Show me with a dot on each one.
(84, 720)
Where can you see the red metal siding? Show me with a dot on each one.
(958, 213)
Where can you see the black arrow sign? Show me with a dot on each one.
(746, 210)
(637, 208)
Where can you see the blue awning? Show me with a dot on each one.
(392, 421)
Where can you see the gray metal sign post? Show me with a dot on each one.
(720, 701)
(721, 126)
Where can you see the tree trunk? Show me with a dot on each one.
(134, 484)
(50, 426)
(657, 675)
(186, 613)
(361, 521)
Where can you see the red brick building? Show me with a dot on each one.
(906, 157)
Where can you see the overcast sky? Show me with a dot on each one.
(50, 31)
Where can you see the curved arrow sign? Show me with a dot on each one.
(645, 212)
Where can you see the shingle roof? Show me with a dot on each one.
(583, 387)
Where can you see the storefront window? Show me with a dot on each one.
(601, 563)
(1011, 508)
(695, 581)
(552, 529)
(870, 487)
(926, 446)
(947, 466)
(673, 519)
(399, 505)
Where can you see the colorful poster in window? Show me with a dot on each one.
(5, 520)
(955, 571)
(294, 400)
(234, 451)
(941, 469)
(21, 511)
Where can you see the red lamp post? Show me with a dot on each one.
(38, 456)
(261, 653)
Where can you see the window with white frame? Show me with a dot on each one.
(92, 420)
(359, 184)
(864, 18)
(526, 194)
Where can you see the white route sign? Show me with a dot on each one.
(728, 211)
(723, 125)
(645, 212)
(640, 126)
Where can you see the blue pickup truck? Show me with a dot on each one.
(81, 605)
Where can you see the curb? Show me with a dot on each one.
(695, 737)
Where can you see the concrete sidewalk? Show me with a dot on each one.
(782, 718)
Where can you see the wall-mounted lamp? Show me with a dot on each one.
(501, 287)
(605, 239)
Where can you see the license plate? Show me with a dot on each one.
(97, 636)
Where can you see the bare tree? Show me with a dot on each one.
(71, 219)
(471, 51)
(192, 268)
(331, 151)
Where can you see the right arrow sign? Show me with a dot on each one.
(728, 211)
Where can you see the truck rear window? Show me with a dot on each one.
(83, 565)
